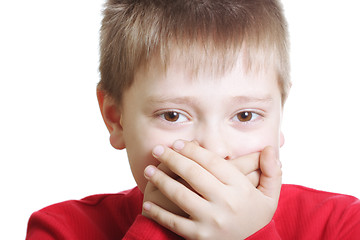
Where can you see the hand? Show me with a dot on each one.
(154, 195)
(248, 165)
(232, 208)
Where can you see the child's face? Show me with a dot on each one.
(232, 115)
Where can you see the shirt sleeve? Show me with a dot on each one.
(314, 215)
(44, 226)
(348, 224)
(144, 228)
(268, 232)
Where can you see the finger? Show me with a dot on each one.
(181, 226)
(270, 179)
(189, 170)
(167, 171)
(254, 178)
(195, 142)
(217, 166)
(153, 194)
(247, 164)
(176, 192)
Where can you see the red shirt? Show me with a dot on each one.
(302, 213)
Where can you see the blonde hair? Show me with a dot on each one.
(206, 33)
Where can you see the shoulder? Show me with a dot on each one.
(92, 212)
(311, 196)
(133, 196)
(317, 212)
(113, 201)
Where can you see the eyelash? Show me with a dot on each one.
(252, 115)
(180, 115)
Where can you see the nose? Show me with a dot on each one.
(214, 140)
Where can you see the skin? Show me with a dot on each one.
(201, 186)
(231, 208)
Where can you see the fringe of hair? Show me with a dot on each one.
(206, 34)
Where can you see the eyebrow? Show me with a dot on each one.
(176, 100)
(193, 101)
(250, 99)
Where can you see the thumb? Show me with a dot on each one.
(270, 178)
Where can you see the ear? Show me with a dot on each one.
(111, 114)
(282, 139)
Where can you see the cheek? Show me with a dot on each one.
(256, 142)
(139, 160)
(139, 147)
(139, 151)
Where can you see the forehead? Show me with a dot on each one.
(199, 58)
(198, 63)
(178, 77)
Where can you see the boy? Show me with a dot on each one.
(194, 91)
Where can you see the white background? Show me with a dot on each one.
(54, 145)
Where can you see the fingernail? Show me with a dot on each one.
(147, 206)
(158, 151)
(178, 144)
(279, 163)
(149, 171)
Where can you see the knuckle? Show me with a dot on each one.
(254, 178)
(180, 195)
(231, 206)
(166, 186)
(156, 179)
(166, 156)
(171, 223)
(202, 234)
(256, 161)
(189, 147)
(157, 215)
(154, 214)
(193, 171)
(162, 182)
(218, 222)
(214, 160)
(171, 158)
(177, 193)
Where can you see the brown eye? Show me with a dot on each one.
(244, 116)
(171, 116)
